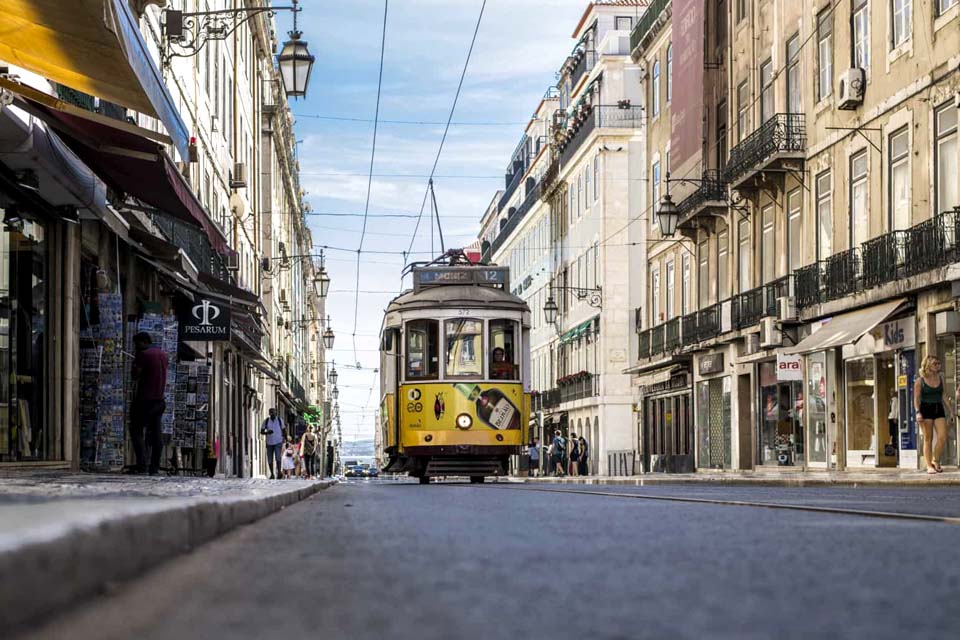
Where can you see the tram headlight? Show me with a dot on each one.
(464, 421)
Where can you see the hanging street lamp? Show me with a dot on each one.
(328, 335)
(333, 375)
(295, 61)
(550, 310)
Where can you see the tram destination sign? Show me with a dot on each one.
(440, 276)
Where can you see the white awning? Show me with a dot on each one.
(846, 328)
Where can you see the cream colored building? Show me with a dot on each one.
(829, 246)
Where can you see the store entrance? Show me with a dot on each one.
(888, 411)
(780, 439)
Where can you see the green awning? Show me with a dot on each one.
(577, 332)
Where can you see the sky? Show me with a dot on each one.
(520, 46)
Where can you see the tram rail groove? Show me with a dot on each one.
(867, 513)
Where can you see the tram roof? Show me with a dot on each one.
(457, 296)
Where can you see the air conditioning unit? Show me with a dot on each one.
(852, 85)
(238, 179)
(752, 344)
(786, 309)
(232, 261)
(770, 334)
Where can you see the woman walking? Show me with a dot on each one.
(574, 455)
(932, 413)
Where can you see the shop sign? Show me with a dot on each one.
(710, 364)
(789, 368)
(897, 334)
(205, 320)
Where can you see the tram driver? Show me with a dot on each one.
(500, 369)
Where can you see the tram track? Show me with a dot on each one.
(728, 502)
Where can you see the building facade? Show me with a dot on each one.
(819, 221)
(193, 201)
(561, 225)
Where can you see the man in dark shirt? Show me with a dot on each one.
(150, 374)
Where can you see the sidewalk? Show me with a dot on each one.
(773, 477)
(64, 536)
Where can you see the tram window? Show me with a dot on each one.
(503, 350)
(422, 341)
(464, 348)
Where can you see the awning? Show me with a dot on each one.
(578, 331)
(846, 328)
(225, 288)
(63, 179)
(94, 46)
(124, 156)
(657, 377)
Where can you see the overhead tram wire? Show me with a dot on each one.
(415, 122)
(446, 130)
(373, 155)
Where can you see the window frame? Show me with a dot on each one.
(723, 264)
(767, 91)
(407, 332)
(655, 174)
(825, 54)
(655, 295)
(517, 360)
(670, 286)
(939, 138)
(906, 15)
(795, 214)
(669, 82)
(895, 162)
(792, 76)
(857, 181)
(703, 273)
(484, 371)
(685, 275)
(860, 9)
(768, 225)
(744, 254)
(743, 110)
(824, 202)
(655, 88)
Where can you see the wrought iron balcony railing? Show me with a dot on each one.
(841, 274)
(688, 329)
(643, 342)
(672, 337)
(657, 340)
(807, 281)
(772, 291)
(784, 132)
(650, 19)
(546, 399)
(580, 389)
(586, 63)
(514, 219)
(579, 126)
(708, 322)
(932, 243)
(883, 258)
(712, 188)
(748, 308)
(195, 244)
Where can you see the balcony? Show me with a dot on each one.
(546, 399)
(643, 342)
(711, 192)
(550, 177)
(583, 386)
(933, 243)
(649, 25)
(841, 275)
(195, 244)
(672, 337)
(772, 291)
(807, 281)
(688, 329)
(782, 136)
(657, 340)
(748, 308)
(585, 62)
(708, 322)
(883, 258)
(582, 124)
(513, 219)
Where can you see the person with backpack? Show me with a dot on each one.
(309, 444)
(574, 465)
(559, 453)
(273, 430)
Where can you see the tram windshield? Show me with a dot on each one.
(422, 341)
(464, 348)
(503, 350)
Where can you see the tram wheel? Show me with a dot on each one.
(424, 479)
(477, 479)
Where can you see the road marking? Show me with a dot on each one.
(736, 503)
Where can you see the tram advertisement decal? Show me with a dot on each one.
(462, 406)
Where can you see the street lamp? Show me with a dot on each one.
(550, 310)
(667, 216)
(324, 280)
(295, 61)
(328, 335)
(335, 393)
(333, 375)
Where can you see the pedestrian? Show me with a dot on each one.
(574, 465)
(559, 453)
(584, 457)
(533, 469)
(928, 400)
(309, 444)
(272, 428)
(146, 413)
(288, 462)
(329, 459)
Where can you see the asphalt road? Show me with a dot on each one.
(369, 560)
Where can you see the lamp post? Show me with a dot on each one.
(333, 375)
(550, 310)
(295, 61)
(328, 335)
(668, 214)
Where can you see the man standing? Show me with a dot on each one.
(308, 451)
(146, 413)
(273, 429)
(534, 466)
(559, 453)
(329, 469)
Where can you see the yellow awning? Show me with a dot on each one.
(94, 46)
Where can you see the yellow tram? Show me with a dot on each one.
(455, 372)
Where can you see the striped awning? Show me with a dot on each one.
(577, 332)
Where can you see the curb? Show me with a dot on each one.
(640, 481)
(43, 577)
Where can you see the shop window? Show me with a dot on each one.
(861, 432)
(422, 361)
(815, 406)
(464, 348)
(23, 335)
